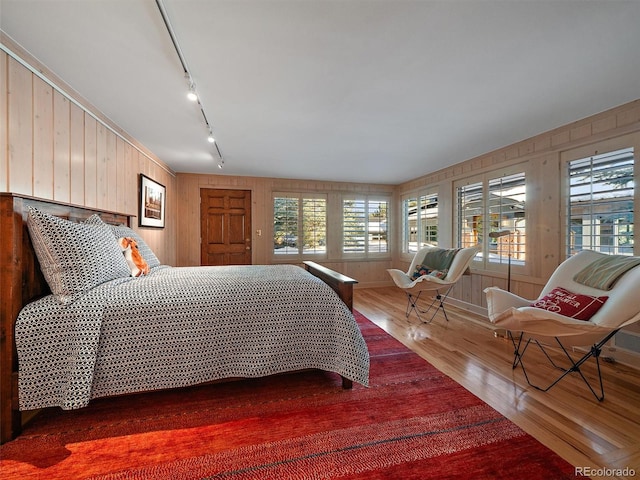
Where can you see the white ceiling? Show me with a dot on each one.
(340, 90)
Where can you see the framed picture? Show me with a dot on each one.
(153, 198)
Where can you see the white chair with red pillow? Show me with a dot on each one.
(587, 300)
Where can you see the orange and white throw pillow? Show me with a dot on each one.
(137, 264)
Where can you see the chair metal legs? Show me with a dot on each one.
(437, 302)
(520, 348)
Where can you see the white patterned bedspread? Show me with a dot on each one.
(183, 326)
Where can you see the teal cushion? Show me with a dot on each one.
(440, 258)
(604, 272)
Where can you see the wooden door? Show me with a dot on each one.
(225, 226)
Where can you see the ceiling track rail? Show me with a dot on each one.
(185, 68)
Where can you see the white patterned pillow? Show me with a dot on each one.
(120, 231)
(74, 257)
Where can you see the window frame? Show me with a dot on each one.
(301, 253)
(367, 253)
(423, 197)
(516, 243)
(584, 153)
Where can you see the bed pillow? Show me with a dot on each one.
(137, 264)
(120, 231)
(574, 305)
(74, 257)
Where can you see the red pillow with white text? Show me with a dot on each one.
(569, 304)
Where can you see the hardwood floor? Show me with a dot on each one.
(568, 419)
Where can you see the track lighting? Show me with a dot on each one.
(192, 95)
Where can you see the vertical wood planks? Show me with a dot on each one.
(76, 152)
(130, 172)
(111, 194)
(101, 166)
(61, 148)
(90, 161)
(42, 139)
(20, 109)
(4, 161)
(53, 147)
(120, 178)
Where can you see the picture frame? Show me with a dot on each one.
(153, 198)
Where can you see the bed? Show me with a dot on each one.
(176, 326)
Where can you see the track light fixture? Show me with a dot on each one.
(192, 94)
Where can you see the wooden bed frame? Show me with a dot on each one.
(21, 282)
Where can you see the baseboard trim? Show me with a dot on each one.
(469, 307)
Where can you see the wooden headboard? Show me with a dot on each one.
(21, 282)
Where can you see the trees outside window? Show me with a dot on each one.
(600, 203)
(299, 225)
(365, 226)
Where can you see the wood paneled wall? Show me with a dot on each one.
(56, 146)
(541, 157)
(368, 273)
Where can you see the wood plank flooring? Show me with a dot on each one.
(568, 419)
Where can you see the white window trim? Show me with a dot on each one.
(300, 195)
(367, 254)
(480, 262)
(618, 143)
(433, 190)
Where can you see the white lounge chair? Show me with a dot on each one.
(439, 282)
(588, 273)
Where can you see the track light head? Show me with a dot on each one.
(192, 95)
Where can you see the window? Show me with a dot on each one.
(364, 226)
(420, 222)
(507, 214)
(600, 203)
(299, 224)
(494, 205)
(470, 214)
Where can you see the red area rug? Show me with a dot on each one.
(412, 422)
